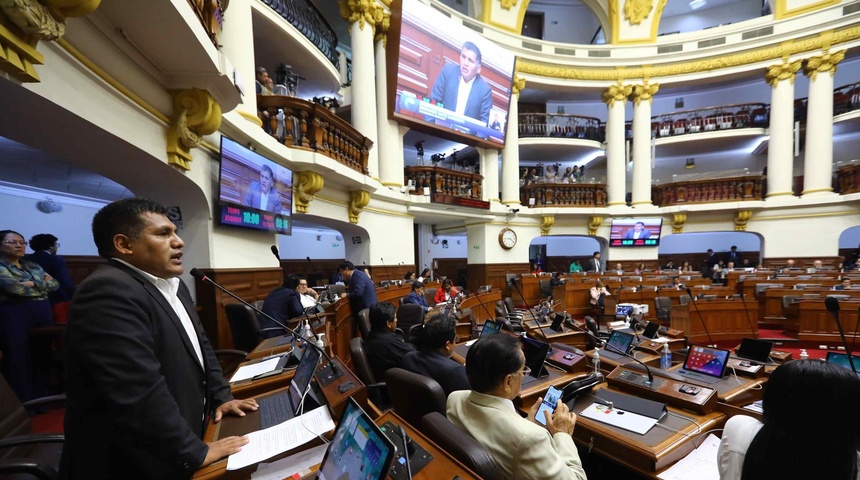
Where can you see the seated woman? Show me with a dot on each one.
(598, 292)
(410, 276)
(446, 292)
(535, 268)
(800, 437)
(425, 275)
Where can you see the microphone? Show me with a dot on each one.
(832, 305)
(296, 336)
(384, 267)
(536, 319)
(484, 306)
(693, 301)
(309, 261)
(609, 346)
(276, 254)
(752, 328)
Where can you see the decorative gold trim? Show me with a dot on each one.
(643, 202)
(773, 52)
(361, 11)
(195, 113)
(616, 93)
(510, 202)
(594, 223)
(494, 200)
(778, 194)
(546, 224)
(331, 200)
(486, 16)
(390, 213)
(615, 21)
(808, 215)
(678, 222)
(645, 91)
(822, 63)
(636, 11)
(381, 29)
(816, 190)
(782, 71)
(780, 11)
(250, 117)
(391, 184)
(34, 19)
(358, 199)
(508, 4)
(305, 186)
(741, 219)
(518, 85)
(18, 54)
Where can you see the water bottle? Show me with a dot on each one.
(804, 355)
(596, 361)
(307, 333)
(666, 358)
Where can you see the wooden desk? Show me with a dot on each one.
(271, 346)
(726, 319)
(530, 392)
(255, 387)
(815, 323)
(482, 305)
(545, 334)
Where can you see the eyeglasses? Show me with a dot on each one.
(526, 370)
(15, 242)
(303, 284)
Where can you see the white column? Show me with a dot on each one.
(511, 156)
(363, 78)
(490, 172)
(390, 146)
(615, 98)
(780, 147)
(643, 95)
(818, 154)
(237, 45)
(343, 67)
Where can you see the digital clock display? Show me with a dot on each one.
(253, 218)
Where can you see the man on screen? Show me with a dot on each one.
(262, 194)
(638, 232)
(462, 89)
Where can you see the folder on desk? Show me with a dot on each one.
(635, 414)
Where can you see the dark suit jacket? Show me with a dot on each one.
(385, 350)
(628, 235)
(413, 297)
(480, 97)
(591, 267)
(252, 198)
(450, 374)
(55, 266)
(283, 304)
(362, 292)
(137, 394)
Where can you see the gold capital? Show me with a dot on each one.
(358, 199)
(306, 185)
(518, 85)
(546, 224)
(616, 93)
(636, 11)
(822, 63)
(360, 11)
(782, 71)
(195, 114)
(383, 23)
(645, 91)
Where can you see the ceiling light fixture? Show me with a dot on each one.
(697, 4)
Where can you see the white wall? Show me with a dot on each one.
(567, 245)
(569, 24)
(711, 17)
(457, 247)
(309, 242)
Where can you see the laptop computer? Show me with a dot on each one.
(358, 450)
(279, 408)
(754, 350)
(535, 352)
(841, 359)
(618, 342)
(705, 364)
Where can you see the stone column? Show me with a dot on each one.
(490, 172)
(390, 146)
(362, 17)
(818, 161)
(237, 29)
(780, 151)
(642, 97)
(511, 152)
(615, 98)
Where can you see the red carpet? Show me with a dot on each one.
(49, 422)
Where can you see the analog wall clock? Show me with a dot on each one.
(507, 238)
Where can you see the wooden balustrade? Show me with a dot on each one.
(444, 181)
(733, 189)
(310, 126)
(848, 179)
(561, 126)
(210, 14)
(564, 195)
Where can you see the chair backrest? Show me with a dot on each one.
(244, 326)
(360, 361)
(409, 315)
(336, 289)
(684, 299)
(363, 321)
(500, 311)
(545, 288)
(16, 421)
(509, 304)
(663, 308)
(430, 296)
(413, 395)
(459, 444)
(505, 322)
(591, 325)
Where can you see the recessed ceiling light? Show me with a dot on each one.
(697, 4)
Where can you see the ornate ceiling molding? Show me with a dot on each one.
(195, 114)
(307, 185)
(358, 199)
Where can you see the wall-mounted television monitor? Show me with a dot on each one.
(445, 78)
(254, 192)
(635, 232)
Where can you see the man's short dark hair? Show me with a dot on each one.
(268, 169)
(261, 70)
(122, 217)
(380, 314)
(347, 265)
(595, 253)
(640, 223)
(417, 284)
(492, 358)
(438, 330)
(474, 48)
(42, 241)
(291, 281)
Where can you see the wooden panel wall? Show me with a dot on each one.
(81, 266)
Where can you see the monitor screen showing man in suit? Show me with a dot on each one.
(461, 88)
(638, 231)
(262, 194)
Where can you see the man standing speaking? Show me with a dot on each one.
(462, 89)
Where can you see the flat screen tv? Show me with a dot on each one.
(446, 79)
(635, 232)
(254, 192)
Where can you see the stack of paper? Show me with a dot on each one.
(700, 464)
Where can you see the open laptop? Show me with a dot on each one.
(358, 450)
(535, 352)
(279, 408)
(755, 350)
(841, 359)
(705, 364)
(618, 342)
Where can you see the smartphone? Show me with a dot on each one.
(550, 400)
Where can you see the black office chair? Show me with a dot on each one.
(377, 391)
(459, 444)
(663, 309)
(545, 287)
(430, 296)
(683, 299)
(596, 334)
(408, 316)
(24, 454)
(363, 321)
(245, 327)
(413, 395)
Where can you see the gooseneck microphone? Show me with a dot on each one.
(705, 325)
(491, 317)
(276, 254)
(385, 268)
(536, 319)
(614, 349)
(752, 328)
(309, 261)
(832, 305)
(296, 336)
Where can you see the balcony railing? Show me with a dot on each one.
(303, 15)
(561, 126)
(306, 125)
(211, 16)
(712, 190)
(846, 98)
(711, 119)
(848, 179)
(583, 195)
(444, 181)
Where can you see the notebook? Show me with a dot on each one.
(358, 450)
(705, 364)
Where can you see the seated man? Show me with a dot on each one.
(283, 303)
(385, 349)
(307, 295)
(434, 358)
(416, 296)
(495, 366)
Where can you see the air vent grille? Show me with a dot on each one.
(712, 42)
(669, 49)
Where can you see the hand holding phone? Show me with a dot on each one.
(550, 400)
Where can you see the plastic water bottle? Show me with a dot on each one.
(666, 358)
(307, 333)
(804, 355)
(596, 361)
